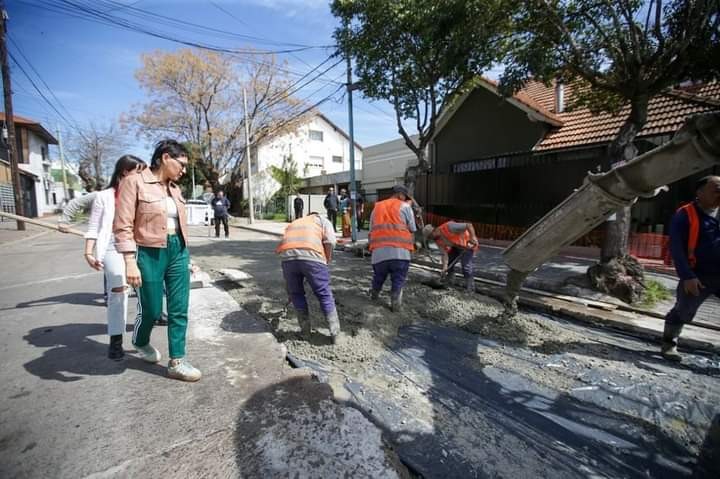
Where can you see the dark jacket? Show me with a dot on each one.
(298, 203)
(220, 207)
(331, 202)
(708, 248)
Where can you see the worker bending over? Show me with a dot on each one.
(391, 243)
(457, 242)
(306, 251)
(695, 249)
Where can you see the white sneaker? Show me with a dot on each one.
(182, 369)
(148, 353)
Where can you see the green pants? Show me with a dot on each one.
(169, 266)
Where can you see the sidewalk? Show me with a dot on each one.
(565, 275)
(68, 411)
(10, 234)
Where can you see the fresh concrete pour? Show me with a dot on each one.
(459, 391)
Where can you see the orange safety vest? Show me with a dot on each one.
(694, 231)
(388, 229)
(304, 233)
(447, 239)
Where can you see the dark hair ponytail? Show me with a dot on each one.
(124, 164)
(171, 147)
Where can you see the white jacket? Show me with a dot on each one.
(100, 225)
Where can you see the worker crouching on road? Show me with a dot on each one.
(391, 242)
(695, 249)
(457, 242)
(306, 251)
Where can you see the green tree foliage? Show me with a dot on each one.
(287, 176)
(618, 53)
(417, 54)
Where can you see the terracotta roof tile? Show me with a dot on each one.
(666, 114)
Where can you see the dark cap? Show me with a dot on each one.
(401, 189)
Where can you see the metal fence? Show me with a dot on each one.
(7, 198)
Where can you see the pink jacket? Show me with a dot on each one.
(140, 214)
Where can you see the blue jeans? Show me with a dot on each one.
(686, 305)
(466, 260)
(396, 268)
(317, 275)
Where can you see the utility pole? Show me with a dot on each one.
(353, 192)
(62, 165)
(247, 159)
(9, 119)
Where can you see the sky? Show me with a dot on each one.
(86, 68)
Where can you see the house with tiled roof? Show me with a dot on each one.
(508, 161)
(37, 185)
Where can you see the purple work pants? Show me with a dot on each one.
(317, 275)
(396, 268)
(466, 260)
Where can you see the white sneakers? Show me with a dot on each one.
(182, 369)
(148, 353)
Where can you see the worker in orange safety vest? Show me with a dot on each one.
(391, 242)
(455, 240)
(695, 250)
(306, 251)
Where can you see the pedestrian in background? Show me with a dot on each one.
(100, 253)
(331, 204)
(298, 206)
(306, 251)
(360, 205)
(344, 209)
(151, 215)
(392, 224)
(695, 250)
(221, 205)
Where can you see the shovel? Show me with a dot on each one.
(436, 283)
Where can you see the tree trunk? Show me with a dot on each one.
(618, 273)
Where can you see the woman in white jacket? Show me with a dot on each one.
(101, 255)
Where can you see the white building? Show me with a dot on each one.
(384, 166)
(318, 147)
(33, 141)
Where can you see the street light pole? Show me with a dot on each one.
(353, 192)
(62, 165)
(9, 119)
(247, 159)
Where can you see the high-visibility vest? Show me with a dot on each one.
(693, 232)
(388, 229)
(446, 239)
(304, 233)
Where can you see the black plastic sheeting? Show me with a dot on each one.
(462, 420)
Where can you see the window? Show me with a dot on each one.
(337, 159)
(316, 162)
(316, 135)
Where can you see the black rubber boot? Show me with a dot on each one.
(396, 302)
(162, 321)
(334, 325)
(115, 350)
(374, 294)
(303, 318)
(470, 285)
(671, 335)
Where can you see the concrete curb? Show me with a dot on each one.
(258, 230)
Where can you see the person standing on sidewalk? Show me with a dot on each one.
(392, 224)
(306, 251)
(221, 205)
(298, 206)
(695, 250)
(101, 255)
(151, 214)
(455, 240)
(332, 203)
